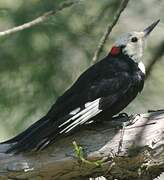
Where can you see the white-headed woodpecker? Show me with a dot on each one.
(103, 90)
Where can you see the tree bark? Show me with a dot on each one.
(136, 152)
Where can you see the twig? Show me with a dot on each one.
(38, 20)
(108, 30)
(80, 155)
(157, 56)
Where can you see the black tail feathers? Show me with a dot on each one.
(33, 138)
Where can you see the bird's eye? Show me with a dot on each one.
(134, 39)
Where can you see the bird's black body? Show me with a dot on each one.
(104, 89)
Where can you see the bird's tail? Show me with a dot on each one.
(32, 138)
(48, 129)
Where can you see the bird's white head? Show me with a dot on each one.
(132, 44)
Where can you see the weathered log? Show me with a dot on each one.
(136, 152)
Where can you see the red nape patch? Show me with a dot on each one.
(115, 50)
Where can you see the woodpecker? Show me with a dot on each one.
(103, 90)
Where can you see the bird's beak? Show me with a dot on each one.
(148, 30)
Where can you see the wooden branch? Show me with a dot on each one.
(38, 20)
(108, 30)
(141, 155)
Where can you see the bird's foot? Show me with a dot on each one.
(123, 117)
(131, 120)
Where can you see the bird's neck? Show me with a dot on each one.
(138, 64)
(136, 58)
(115, 51)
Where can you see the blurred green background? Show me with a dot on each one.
(38, 64)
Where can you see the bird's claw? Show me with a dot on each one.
(122, 115)
(132, 119)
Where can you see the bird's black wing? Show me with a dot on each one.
(89, 86)
(100, 96)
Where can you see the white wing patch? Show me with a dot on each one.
(81, 117)
(75, 111)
